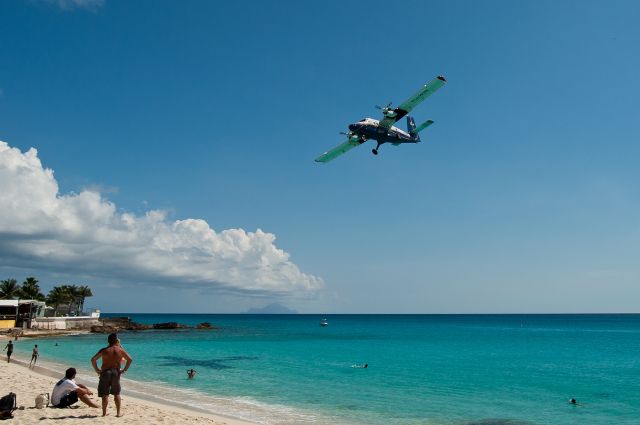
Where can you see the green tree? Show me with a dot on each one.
(82, 293)
(72, 297)
(31, 290)
(59, 295)
(9, 289)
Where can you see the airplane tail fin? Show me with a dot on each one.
(411, 128)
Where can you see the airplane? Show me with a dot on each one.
(383, 131)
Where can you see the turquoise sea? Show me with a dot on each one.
(423, 369)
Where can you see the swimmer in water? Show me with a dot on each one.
(575, 402)
(191, 373)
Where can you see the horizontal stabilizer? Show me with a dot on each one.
(422, 126)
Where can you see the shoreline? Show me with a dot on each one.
(138, 408)
(43, 333)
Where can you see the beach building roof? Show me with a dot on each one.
(14, 303)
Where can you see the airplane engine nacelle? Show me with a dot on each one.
(390, 113)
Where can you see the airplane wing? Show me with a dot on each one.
(338, 150)
(393, 116)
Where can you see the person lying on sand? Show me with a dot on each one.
(110, 372)
(66, 392)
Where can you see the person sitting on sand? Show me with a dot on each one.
(34, 356)
(9, 349)
(110, 372)
(191, 373)
(66, 392)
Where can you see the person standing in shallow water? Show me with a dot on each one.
(110, 372)
(34, 356)
(9, 348)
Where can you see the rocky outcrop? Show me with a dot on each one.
(103, 329)
(206, 325)
(133, 326)
(168, 325)
(114, 325)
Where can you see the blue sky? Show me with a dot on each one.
(523, 197)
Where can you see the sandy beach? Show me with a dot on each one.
(27, 384)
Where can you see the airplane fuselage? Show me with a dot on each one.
(369, 128)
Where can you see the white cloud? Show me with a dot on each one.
(85, 233)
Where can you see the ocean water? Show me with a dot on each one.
(423, 369)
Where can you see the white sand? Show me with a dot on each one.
(27, 384)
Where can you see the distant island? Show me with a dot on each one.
(273, 308)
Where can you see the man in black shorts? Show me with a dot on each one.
(66, 392)
(9, 348)
(34, 356)
(110, 372)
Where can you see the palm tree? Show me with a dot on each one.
(72, 294)
(59, 295)
(31, 290)
(9, 289)
(83, 292)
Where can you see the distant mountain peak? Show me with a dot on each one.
(273, 308)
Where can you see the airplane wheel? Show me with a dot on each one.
(374, 151)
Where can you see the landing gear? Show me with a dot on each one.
(375, 151)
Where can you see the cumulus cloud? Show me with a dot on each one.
(86, 233)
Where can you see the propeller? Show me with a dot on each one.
(352, 136)
(386, 107)
(387, 111)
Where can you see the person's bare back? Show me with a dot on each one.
(110, 372)
(111, 357)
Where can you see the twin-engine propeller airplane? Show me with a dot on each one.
(384, 131)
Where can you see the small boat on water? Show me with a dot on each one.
(324, 322)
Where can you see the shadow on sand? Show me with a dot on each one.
(70, 417)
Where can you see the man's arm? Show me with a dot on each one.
(128, 358)
(94, 361)
(85, 389)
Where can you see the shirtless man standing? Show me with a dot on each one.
(110, 372)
